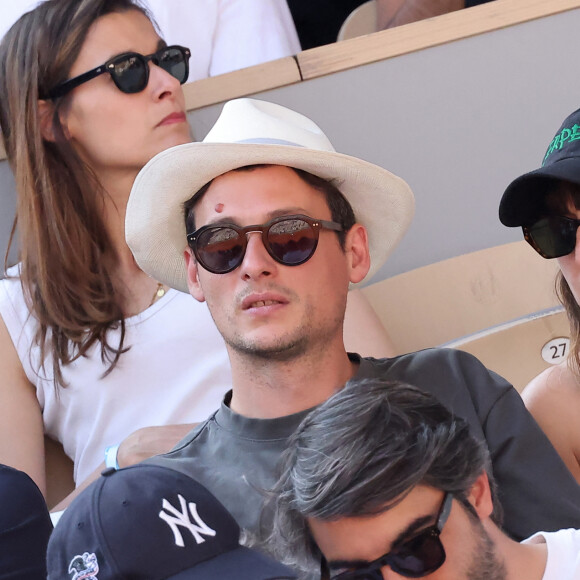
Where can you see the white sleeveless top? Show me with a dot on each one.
(563, 553)
(176, 371)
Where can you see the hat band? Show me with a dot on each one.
(267, 141)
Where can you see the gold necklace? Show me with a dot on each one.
(159, 293)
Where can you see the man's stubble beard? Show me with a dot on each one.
(301, 341)
(485, 563)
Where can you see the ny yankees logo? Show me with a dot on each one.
(176, 518)
(84, 566)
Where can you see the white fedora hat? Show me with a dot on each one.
(251, 132)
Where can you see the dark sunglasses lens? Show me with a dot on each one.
(292, 241)
(220, 249)
(419, 556)
(174, 61)
(554, 236)
(130, 73)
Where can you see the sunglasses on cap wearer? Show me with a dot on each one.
(552, 236)
(130, 70)
(291, 240)
(413, 558)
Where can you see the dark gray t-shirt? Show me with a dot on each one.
(236, 457)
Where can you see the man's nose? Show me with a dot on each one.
(257, 261)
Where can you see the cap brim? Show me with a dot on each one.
(524, 197)
(155, 228)
(241, 564)
(25, 525)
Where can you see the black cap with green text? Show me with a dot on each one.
(523, 201)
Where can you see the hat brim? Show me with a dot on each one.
(155, 227)
(523, 200)
(240, 563)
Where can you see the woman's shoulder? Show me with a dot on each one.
(557, 385)
(553, 398)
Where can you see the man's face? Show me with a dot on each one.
(570, 264)
(264, 308)
(349, 543)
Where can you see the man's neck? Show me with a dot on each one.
(266, 388)
(521, 560)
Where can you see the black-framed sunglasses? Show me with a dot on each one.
(130, 70)
(291, 240)
(413, 558)
(552, 236)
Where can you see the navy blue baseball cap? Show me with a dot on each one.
(25, 526)
(151, 522)
(523, 201)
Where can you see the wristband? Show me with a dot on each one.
(111, 456)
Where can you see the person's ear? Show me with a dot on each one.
(193, 275)
(480, 497)
(46, 115)
(357, 250)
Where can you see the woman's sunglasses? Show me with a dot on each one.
(553, 236)
(130, 71)
(414, 558)
(290, 240)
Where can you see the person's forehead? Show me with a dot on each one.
(113, 34)
(368, 537)
(260, 191)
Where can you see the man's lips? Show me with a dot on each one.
(178, 117)
(263, 303)
(256, 301)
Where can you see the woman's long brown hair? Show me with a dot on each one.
(573, 313)
(66, 255)
(559, 200)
